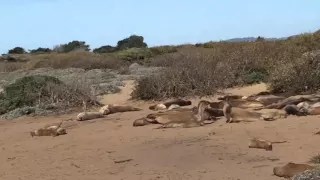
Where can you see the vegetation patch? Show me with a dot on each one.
(42, 91)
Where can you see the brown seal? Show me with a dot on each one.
(260, 144)
(231, 96)
(168, 103)
(292, 109)
(183, 117)
(49, 131)
(141, 122)
(227, 109)
(83, 116)
(291, 169)
(114, 108)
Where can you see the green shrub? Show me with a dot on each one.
(134, 54)
(40, 90)
(163, 50)
(255, 77)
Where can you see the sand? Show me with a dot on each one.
(111, 148)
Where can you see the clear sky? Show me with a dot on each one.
(45, 23)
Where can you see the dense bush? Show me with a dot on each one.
(299, 75)
(40, 50)
(134, 54)
(185, 77)
(72, 46)
(163, 50)
(105, 49)
(40, 90)
(134, 41)
(17, 50)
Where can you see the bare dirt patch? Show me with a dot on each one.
(110, 148)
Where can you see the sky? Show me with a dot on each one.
(45, 23)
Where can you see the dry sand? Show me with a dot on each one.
(214, 152)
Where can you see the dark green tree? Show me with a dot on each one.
(40, 50)
(260, 39)
(17, 50)
(133, 41)
(72, 46)
(105, 49)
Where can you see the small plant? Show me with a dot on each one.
(315, 159)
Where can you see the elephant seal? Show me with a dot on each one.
(231, 96)
(114, 108)
(179, 102)
(173, 106)
(227, 109)
(49, 131)
(180, 118)
(292, 109)
(167, 104)
(83, 116)
(141, 122)
(158, 107)
(291, 169)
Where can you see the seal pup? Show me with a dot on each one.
(49, 131)
(291, 169)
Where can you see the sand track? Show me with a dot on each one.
(91, 148)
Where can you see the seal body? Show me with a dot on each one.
(227, 109)
(48, 132)
(83, 116)
(291, 169)
(260, 144)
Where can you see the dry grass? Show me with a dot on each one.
(11, 66)
(84, 60)
(184, 77)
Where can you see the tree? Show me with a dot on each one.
(260, 39)
(105, 49)
(17, 50)
(40, 50)
(133, 41)
(72, 46)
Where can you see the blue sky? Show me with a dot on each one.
(45, 23)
